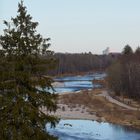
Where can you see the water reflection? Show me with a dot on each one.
(92, 130)
(124, 128)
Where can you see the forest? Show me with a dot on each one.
(123, 69)
(76, 63)
(27, 67)
(124, 74)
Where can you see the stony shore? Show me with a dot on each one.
(91, 106)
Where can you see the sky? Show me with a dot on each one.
(77, 26)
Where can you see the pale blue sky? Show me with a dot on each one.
(82, 25)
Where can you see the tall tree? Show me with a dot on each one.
(138, 50)
(124, 76)
(127, 50)
(115, 77)
(23, 85)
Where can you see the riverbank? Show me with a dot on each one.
(79, 73)
(90, 105)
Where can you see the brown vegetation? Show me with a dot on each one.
(102, 108)
(101, 82)
(124, 75)
(78, 63)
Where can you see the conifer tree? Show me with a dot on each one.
(24, 58)
(127, 50)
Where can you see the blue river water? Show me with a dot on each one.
(77, 83)
(92, 130)
(86, 129)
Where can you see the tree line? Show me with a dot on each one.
(82, 62)
(25, 64)
(124, 74)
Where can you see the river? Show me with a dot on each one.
(77, 83)
(87, 129)
(92, 130)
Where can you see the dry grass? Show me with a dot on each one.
(128, 101)
(100, 82)
(102, 108)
